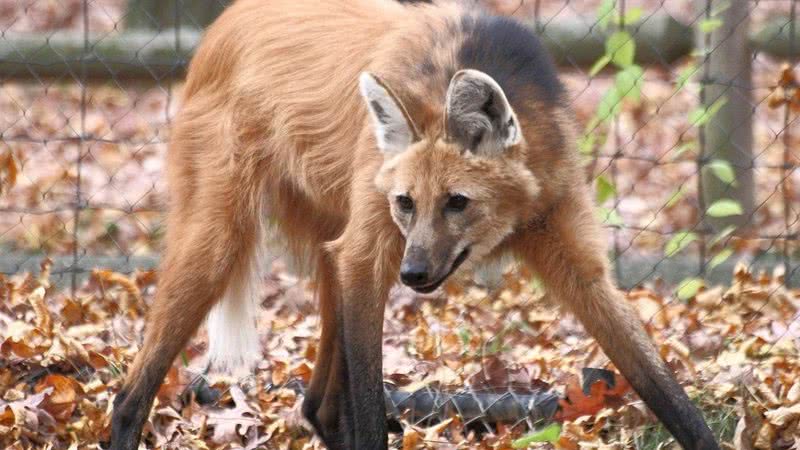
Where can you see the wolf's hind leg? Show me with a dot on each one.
(211, 240)
(324, 396)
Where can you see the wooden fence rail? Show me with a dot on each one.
(154, 55)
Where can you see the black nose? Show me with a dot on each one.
(414, 273)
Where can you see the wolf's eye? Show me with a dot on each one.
(405, 203)
(456, 203)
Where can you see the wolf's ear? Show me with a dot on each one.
(477, 114)
(393, 127)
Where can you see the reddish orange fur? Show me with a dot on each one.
(272, 125)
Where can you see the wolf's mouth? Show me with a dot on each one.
(427, 289)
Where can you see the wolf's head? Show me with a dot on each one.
(456, 195)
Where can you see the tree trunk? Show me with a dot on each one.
(728, 135)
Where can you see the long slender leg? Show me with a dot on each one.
(362, 318)
(321, 403)
(569, 254)
(193, 281)
(339, 374)
(209, 246)
(368, 260)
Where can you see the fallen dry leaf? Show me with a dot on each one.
(577, 403)
(62, 397)
(230, 424)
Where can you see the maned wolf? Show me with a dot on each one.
(386, 141)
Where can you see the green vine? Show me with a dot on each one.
(620, 56)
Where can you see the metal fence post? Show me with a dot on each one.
(79, 159)
(789, 164)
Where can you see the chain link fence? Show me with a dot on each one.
(687, 111)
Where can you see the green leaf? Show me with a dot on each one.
(622, 48)
(685, 76)
(586, 144)
(676, 196)
(629, 82)
(604, 188)
(723, 170)
(465, 336)
(722, 235)
(593, 136)
(599, 65)
(683, 148)
(609, 216)
(633, 15)
(688, 288)
(592, 126)
(720, 258)
(605, 12)
(701, 116)
(679, 242)
(709, 25)
(609, 105)
(725, 208)
(112, 229)
(550, 433)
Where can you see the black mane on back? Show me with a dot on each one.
(512, 54)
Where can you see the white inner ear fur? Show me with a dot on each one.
(462, 91)
(392, 131)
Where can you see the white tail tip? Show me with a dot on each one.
(233, 345)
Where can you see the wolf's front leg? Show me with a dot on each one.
(569, 254)
(362, 338)
(367, 263)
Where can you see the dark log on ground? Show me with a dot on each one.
(427, 406)
(477, 409)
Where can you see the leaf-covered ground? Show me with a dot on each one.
(62, 358)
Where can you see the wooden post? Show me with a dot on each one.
(728, 135)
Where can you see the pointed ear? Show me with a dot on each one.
(393, 127)
(477, 114)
